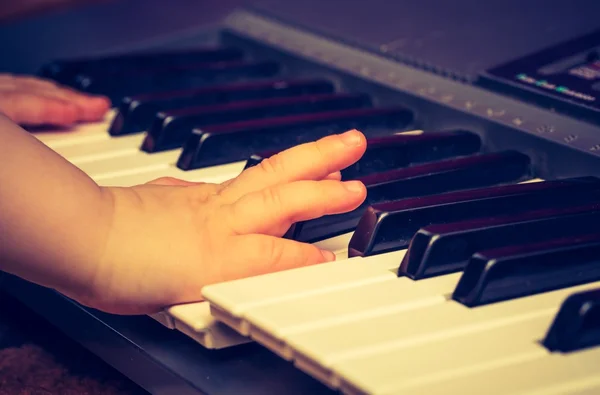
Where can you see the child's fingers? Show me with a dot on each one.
(34, 110)
(253, 255)
(9, 81)
(89, 107)
(273, 210)
(310, 161)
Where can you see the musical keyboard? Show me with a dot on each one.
(472, 266)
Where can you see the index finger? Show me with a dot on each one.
(311, 161)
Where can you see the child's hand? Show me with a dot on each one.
(169, 238)
(33, 101)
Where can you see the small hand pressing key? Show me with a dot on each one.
(137, 249)
(34, 101)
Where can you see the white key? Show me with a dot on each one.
(80, 134)
(273, 324)
(554, 374)
(102, 149)
(413, 365)
(215, 174)
(231, 300)
(129, 164)
(359, 338)
(194, 320)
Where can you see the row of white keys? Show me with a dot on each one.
(447, 345)
(326, 347)
(84, 133)
(576, 373)
(232, 300)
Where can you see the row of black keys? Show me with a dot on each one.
(227, 123)
(230, 115)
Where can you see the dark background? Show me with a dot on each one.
(112, 24)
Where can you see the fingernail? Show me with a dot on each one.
(351, 138)
(328, 255)
(354, 186)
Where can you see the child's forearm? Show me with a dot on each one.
(53, 217)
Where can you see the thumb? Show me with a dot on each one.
(261, 254)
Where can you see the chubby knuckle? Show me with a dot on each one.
(271, 199)
(272, 165)
(270, 250)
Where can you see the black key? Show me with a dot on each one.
(445, 248)
(118, 86)
(577, 324)
(393, 152)
(171, 129)
(421, 180)
(397, 151)
(528, 269)
(215, 145)
(390, 226)
(65, 71)
(136, 113)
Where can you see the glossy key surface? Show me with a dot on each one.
(445, 248)
(66, 71)
(400, 150)
(239, 140)
(526, 269)
(171, 129)
(180, 77)
(391, 226)
(577, 324)
(421, 180)
(136, 113)
(393, 152)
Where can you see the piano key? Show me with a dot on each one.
(421, 180)
(401, 150)
(100, 149)
(324, 348)
(214, 174)
(171, 129)
(393, 152)
(130, 165)
(65, 71)
(577, 324)
(78, 134)
(136, 113)
(573, 374)
(520, 270)
(230, 300)
(272, 324)
(204, 329)
(390, 226)
(237, 141)
(116, 87)
(404, 368)
(445, 248)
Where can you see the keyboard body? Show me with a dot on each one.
(410, 53)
